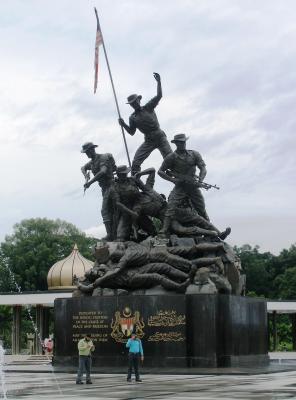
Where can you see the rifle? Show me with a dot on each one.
(192, 179)
(208, 186)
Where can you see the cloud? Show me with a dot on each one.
(96, 231)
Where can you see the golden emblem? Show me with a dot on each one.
(123, 326)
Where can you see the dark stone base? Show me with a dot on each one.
(177, 331)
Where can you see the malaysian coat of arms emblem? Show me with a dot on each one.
(127, 323)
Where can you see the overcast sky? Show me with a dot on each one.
(228, 71)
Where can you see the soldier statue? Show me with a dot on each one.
(131, 204)
(102, 167)
(185, 221)
(179, 167)
(132, 266)
(150, 202)
(124, 195)
(144, 118)
(136, 268)
(144, 277)
(136, 202)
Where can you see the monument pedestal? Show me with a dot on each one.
(177, 331)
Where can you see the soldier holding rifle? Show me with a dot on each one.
(179, 167)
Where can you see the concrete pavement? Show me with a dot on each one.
(34, 378)
(277, 386)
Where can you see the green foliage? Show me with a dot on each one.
(286, 284)
(256, 268)
(284, 332)
(5, 325)
(284, 329)
(271, 276)
(34, 247)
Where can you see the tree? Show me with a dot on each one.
(256, 267)
(5, 325)
(286, 284)
(34, 247)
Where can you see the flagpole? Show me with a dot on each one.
(113, 89)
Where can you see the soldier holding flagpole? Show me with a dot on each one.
(144, 118)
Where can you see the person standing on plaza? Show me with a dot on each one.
(85, 348)
(144, 118)
(135, 347)
(48, 346)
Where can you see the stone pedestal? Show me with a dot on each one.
(177, 331)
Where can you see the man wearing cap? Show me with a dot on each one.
(145, 119)
(102, 166)
(179, 167)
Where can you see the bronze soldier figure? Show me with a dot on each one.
(124, 194)
(102, 166)
(136, 201)
(136, 267)
(179, 167)
(144, 277)
(186, 221)
(150, 202)
(144, 118)
(132, 266)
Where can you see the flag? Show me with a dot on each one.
(99, 41)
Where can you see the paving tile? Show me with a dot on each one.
(43, 386)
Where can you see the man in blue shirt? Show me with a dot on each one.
(135, 352)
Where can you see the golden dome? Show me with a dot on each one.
(60, 275)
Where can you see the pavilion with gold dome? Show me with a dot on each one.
(60, 281)
(61, 274)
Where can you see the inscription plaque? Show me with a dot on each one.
(177, 331)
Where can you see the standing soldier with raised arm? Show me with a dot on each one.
(145, 119)
(102, 166)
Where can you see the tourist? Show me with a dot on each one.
(135, 352)
(48, 346)
(85, 348)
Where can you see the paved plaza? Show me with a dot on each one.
(34, 378)
(49, 385)
(273, 386)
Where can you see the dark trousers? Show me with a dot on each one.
(133, 362)
(84, 365)
(158, 140)
(183, 191)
